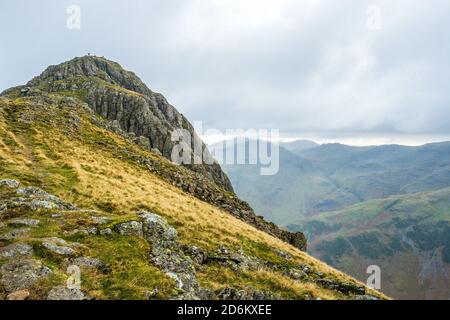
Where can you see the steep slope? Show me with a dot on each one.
(80, 192)
(120, 96)
(407, 236)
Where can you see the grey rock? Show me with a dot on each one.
(156, 228)
(88, 262)
(198, 255)
(106, 232)
(156, 151)
(39, 199)
(130, 228)
(16, 250)
(100, 220)
(144, 142)
(344, 287)
(64, 293)
(283, 254)
(36, 204)
(22, 274)
(13, 184)
(228, 293)
(167, 253)
(297, 274)
(14, 234)
(237, 261)
(24, 222)
(92, 230)
(365, 297)
(58, 246)
(57, 215)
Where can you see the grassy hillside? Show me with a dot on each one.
(407, 236)
(54, 142)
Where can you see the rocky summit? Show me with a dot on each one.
(91, 207)
(122, 98)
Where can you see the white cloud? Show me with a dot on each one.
(301, 66)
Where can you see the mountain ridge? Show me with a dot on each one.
(77, 189)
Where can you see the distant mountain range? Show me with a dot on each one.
(317, 178)
(387, 205)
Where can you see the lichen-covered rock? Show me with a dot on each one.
(105, 232)
(365, 297)
(86, 231)
(100, 220)
(198, 255)
(58, 246)
(14, 234)
(297, 274)
(237, 261)
(156, 228)
(130, 228)
(39, 199)
(344, 287)
(228, 293)
(22, 274)
(88, 262)
(64, 293)
(16, 250)
(13, 184)
(24, 222)
(167, 253)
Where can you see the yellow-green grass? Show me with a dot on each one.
(90, 167)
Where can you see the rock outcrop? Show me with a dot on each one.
(121, 97)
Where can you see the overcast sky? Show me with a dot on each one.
(360, 72)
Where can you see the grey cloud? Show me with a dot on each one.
(300, 66)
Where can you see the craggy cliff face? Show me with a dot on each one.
(120, 96)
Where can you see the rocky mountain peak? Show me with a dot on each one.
(132, 108)
(93, 66)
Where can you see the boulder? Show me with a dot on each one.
(16, 250)
(22, 274)
(106, 232)
(39, 199)
(88, 262)
(64, 293)
(14, 234)
(13, 184)
(156, 228)
(344, 287)
(130, 228)
(58, 246)
(24, 222)
(229, 293)
(100, 220)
